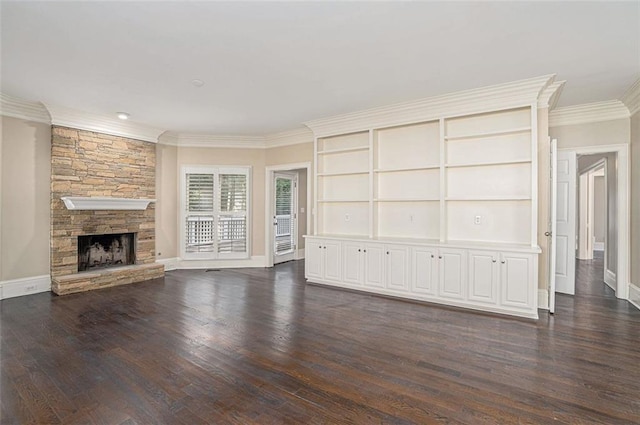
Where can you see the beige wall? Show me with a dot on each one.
(599, 203)
(302, 206)
(167, 201)
(25, 192)
(243, 157)
(544, 188)
(635, 200)
(292, 154)
(592, 134)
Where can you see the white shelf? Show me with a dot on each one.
(406, 200)
(489, 198)
(105, 203)
(346, 173)
(489, 134)
(485, 164)
(398, 170)
(334, 151)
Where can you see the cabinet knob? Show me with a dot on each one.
(359, 250)
(387, 252)
(324, 247)
(432, 256)
(494, 261)
(440, 257)
(365, 250)
(503, 261)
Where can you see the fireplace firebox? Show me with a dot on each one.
(103, 251)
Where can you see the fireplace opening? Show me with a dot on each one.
(102, 251)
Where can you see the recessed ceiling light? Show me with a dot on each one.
(123, 115)
(197, 83)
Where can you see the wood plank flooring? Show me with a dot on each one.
(259, 346)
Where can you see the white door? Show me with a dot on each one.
(452, 266)
(565, 222)
(553, 202)
(397, 267)
(284, 217)
(515, 279)
(332, 261)
(353, 263)
(424, 277)
(373, 266)
(313, 260)
(483, 276)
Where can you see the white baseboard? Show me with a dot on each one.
(299, 255)
(25, 286)
(169, 263)
(543, 299)
(255, 261)
(634, 295)
(598, 246)
(610, 279)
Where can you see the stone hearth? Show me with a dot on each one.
(88, 164)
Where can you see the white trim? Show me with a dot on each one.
(186, 140)
(254, 261)
(287, 138)
(622, 209)
(25, 286)
(299, 255)
(598, 246)
(169, 263)
(23, 109)
(610, 278)
(102, 123)
(634, 295)
(587, 113)
(631, 98)
(543, 299)
(549, 96)
(503, 96)
(268, 195)
(104, 203)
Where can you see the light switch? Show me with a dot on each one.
(347, 217)
(301, 210)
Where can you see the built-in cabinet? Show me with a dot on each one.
(482, 279)
(443, 209)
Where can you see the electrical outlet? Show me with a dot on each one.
(347, 217)
(477, 219)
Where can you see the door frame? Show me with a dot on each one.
(293, 177)
(268, 203)
(623, 209)
(587, 208)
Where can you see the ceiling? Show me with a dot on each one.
(269, 66)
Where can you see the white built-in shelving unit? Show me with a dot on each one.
(453, 194)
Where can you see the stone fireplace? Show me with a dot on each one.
(97, 248)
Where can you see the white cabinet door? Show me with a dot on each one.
(373, 266)
(332, 260)
(516, 276)
(313, 259)
(483, 276)
(424, 276)
(452, 267)
(352, 264)
(397, 267)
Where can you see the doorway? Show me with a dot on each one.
(287, 195)
(590, 163)
(285, 216)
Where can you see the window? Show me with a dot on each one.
(215, 220)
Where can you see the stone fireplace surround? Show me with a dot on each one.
(89, 164)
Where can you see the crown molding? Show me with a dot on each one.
(501, 96)
(185, 140)
(23, 109)
(288, 138)
(67, 117)
(549, 96)
(631, 98)
(587, 113)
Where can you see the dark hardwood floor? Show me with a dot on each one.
(259, 346)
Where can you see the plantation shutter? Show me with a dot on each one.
(199, 231)
(284, 215)
(232, 214)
